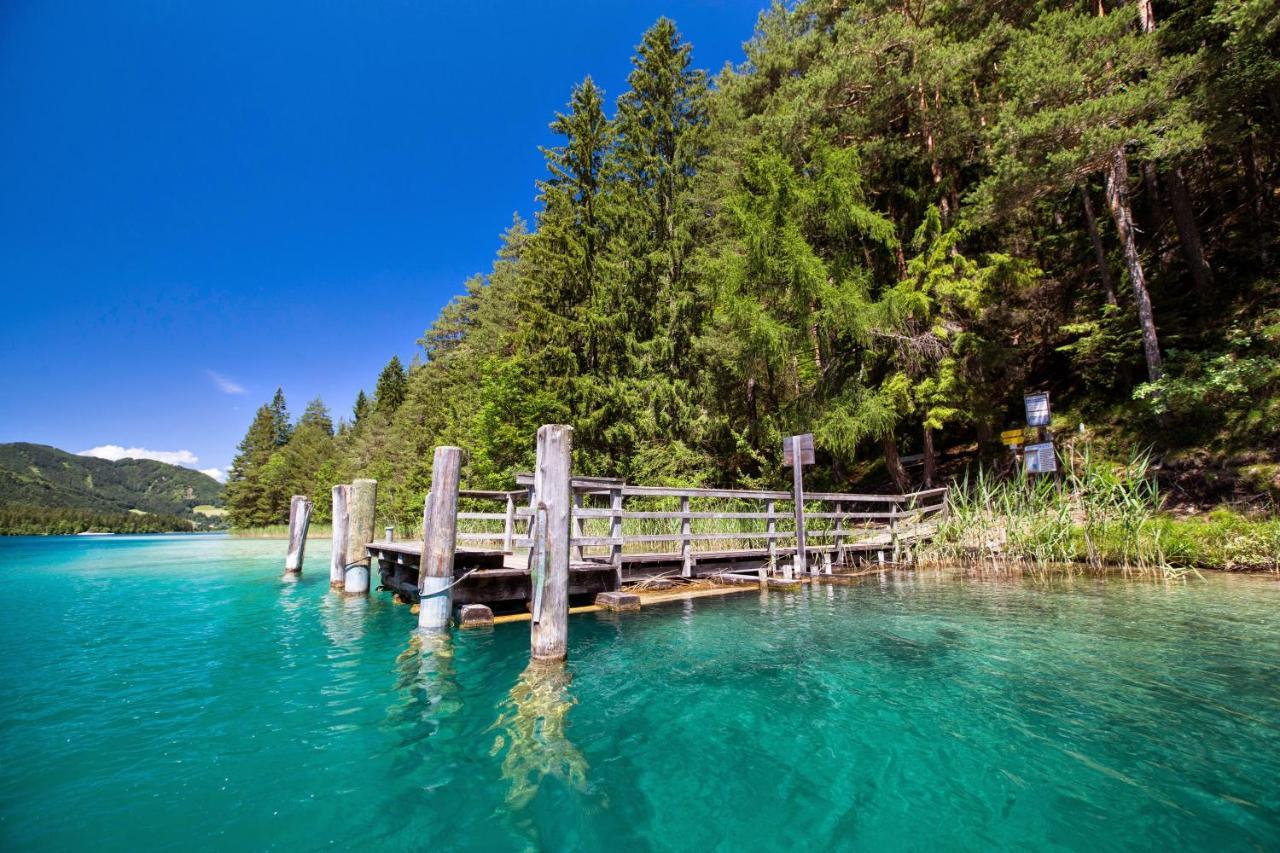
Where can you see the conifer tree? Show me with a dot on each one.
(391, 387)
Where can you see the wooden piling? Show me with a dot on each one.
(338, 554)
(361, 507)
(549, 632)
(299, 521)
(435, 574)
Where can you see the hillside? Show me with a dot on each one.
(36, 475)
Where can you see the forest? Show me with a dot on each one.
(883, 227)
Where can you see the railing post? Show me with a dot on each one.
(435, 572)
(893, 532)
(549, 630)
(577, 526)
(615, 533)
(771, 528)
(299, 521)
(389, 532)
(509, 526)
(338, 554)
(839, 532)
(686, 546)
(361, 509)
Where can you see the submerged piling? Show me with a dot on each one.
(338, 554)
(299, 521)
(435, 573)
(360, 508)
(549, 632)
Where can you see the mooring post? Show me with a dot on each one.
(435, 572)
(338, 554)
(549, 632)
(299, 521)
(797, 481)
(361, 508)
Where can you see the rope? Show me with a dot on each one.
(449, 587)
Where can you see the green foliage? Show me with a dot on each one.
(871, 230)
(34, 475)
(25, 520)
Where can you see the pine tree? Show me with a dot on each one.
(245, 485)
(360, 410)
(281, 426)
(390, 390)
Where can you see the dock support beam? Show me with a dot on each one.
(549, 631)
(435, 574)
(338, 554)
(299, 521)
(361, 509)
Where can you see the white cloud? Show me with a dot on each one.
(216, 473)
(115, 452)
(225, 384)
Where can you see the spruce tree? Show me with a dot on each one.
(390, 390)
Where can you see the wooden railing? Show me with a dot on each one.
(612, 519)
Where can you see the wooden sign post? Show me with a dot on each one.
(797, 452)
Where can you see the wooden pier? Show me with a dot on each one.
(623, 534)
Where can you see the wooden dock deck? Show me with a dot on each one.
(490, 563)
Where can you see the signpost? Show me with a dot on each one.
(1037, 406)
(797, 451)
(1040, 458)
(1012, 438)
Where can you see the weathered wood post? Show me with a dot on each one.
(435, 573)
(893, 533)
(509, 526)
(839, 533)
(389, 533)
(797, 483)
(577, 526)
(553, 489)
(338, 554)
(299, 521)
(615, 533)
(360, 520)
(686, 544)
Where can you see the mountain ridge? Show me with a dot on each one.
(44, 476)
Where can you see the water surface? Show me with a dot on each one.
(169, 693)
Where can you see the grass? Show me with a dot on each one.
(210, 511)
(1099, 514)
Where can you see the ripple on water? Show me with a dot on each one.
(172, 693)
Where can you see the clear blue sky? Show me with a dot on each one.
(202, 201)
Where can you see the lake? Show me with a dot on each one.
(164, 693)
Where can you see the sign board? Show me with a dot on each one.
(1040, 458)
(1012, 437)
(806, 449)
(1037, 409)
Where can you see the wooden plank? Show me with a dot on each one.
(673, 514)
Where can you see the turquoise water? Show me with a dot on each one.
(170, 693)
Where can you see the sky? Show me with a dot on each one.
(200, 202)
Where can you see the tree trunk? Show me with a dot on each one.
(1189, 234)
(894, 464)
(1122, 213)
(1099, 254)
(928, 460)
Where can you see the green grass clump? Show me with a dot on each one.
(1099, 514)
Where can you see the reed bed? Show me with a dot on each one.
(1099, 514)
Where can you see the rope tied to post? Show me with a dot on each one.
(442, 591)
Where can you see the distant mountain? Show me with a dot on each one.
(36, 475)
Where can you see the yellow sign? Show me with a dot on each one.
(1012, 437)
